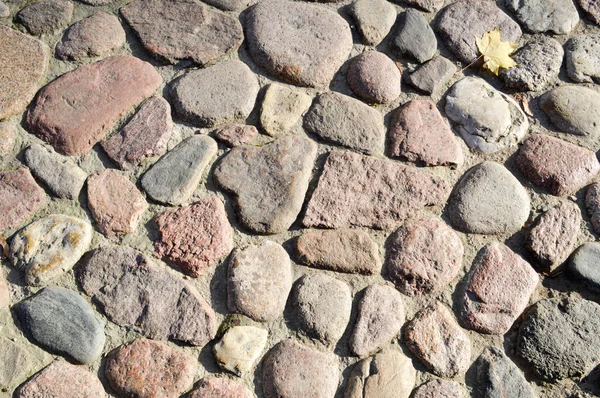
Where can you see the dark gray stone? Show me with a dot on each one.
(583, 264)
(46, 16)
(573, 109)
(583, 58)
(592, 204)
(373, 18)
(61, 321)
(415, 37)
(498, 377)
(557, 16)
(433, 75)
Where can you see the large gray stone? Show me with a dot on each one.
(299, 43)
(175, 177)
(583, 264)
(374, 19)
(279, 171)
(220, 94)
(573, 109)
(433, 75)
(46, 16)
(487, 119)
(478, 203)
(583, 58)
(557, 16)
(61, 321)
(498, 377)
(415, 37)
(346, 121)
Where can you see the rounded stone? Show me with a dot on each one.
(213, 387)
(573, 109)
(49, 247)
(423, 256)
(46, 16)
(240, 348)
(583, 64)
(415, 38)
(439, 388)
(432, 76)
(583, 264)
(559, 16)
(292, 370)
(322, 307)
(374, 19)
(61, 379)
(478, 203)
(20, 197)
(61, 321)
(374, 77)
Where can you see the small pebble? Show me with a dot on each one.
(236, 134)
(374, 78)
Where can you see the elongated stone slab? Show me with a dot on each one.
(78, 109)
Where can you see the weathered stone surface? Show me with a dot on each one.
(573, 109)
(374, 77)
(292, 370)
(415, 38)
(146, 134)
(432, 75)
(76, 110)
(61, 379)
(49, 247)
(592, 204)
(426, 5)
(423, 256)
(498, 377)
(438, 342)
(282, 108)
(95, 36)
(478, 203)
(347, 250)
(487, 119)
(61, 321)
(373, 18)
(239, 348)
(498, 289)
(115, 203)
(322, 307)
(185, 29)
(582, 61)
(439, 388)
(4, 295)
(299, 43)
(583, 264)
(387, 374)
(64, 178)
(46, 16)
(19, 362)
(559, 339)
(148, 369)
(592, 9)
(346, 121)
(8, 138)
(420, 134)
(364, 191)
(236, 134)
(228, 90)
(380, 317)
(174, 177)
(279, 171)
(459, 22)
(559, 167)
(553, 237)
(259, 281)
(23, 64)
(20, 197)
(135, 293)
(194, 237)
(538, 65)
(220, 387)
(559, 16)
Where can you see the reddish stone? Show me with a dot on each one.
(436, 339)
(76, 110)
(558, 166)
(236, 134)
(374, 77)
(115, 203)
(440, 389)
(292, 370)
(498, 289)
(20, 197)
(147, 369)
(592, 203)
(194, 237)
(61, 379)
(423, 256)
(366, 191)
(420, 134)
(146, 134)
(221, 387)
(553, 237)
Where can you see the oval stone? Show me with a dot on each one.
(61, 379)
(573, 109)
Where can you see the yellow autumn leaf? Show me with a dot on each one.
(496, 53)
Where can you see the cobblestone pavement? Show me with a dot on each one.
(294, 199)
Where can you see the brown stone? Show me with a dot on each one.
(146, 134)
(423, 256)
(78, 109)
(23, 64)
(440, 389)
(147, 369)
(213, 387)
(365, 191)
(498, 289)
(194, 237)
(115, 203)
(560, 167)
(420, 134)
(346, 250)
(61, 379)
(20, 197)
(236, 134)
